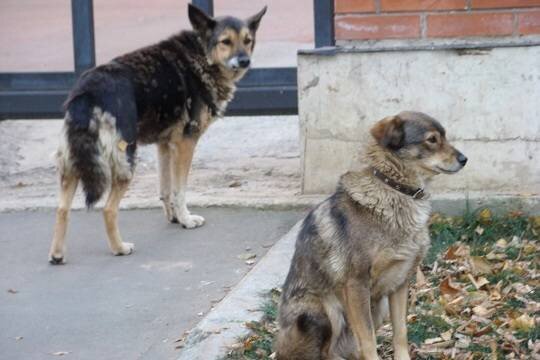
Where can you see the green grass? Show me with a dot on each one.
(446, 231)
(426, 327)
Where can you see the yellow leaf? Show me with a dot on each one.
(524, 323)
(480, 265)
(484, 216)
(501, 244)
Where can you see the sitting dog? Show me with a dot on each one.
(167, 94)
(356, 251)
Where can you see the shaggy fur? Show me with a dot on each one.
(167, 93)
(356, 250)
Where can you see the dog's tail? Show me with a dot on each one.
(82, 132)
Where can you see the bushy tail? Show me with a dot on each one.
(83, 137)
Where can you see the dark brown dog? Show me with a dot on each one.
(356, 250)
(168, 93)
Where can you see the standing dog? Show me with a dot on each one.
(168, 94)
(356, 250)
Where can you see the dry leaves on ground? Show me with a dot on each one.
(476, 296)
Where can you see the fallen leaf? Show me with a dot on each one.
(60, 353)
(433, 340)
(524, 323)
(501, 244)
(485, 216)
(12, 291)
(18, 338)
(235, 183)
(448, 288)
(420, 278)
(447, 335)
(247, 256)
(480, 265)
(479, 230)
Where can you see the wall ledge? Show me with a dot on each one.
(465, 45)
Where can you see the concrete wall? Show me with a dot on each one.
(488, 100)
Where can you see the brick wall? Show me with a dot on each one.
(413, 19)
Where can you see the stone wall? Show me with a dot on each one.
(487, 98)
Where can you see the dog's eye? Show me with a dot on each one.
(432, 139)
(247, 41)
(227, 42)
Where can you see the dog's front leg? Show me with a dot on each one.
(398, 314)
(357, 298)
(182, 149)
(164, 160)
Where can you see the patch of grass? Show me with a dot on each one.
(505, 276)
(426, 327)
(533, 334)
(258, 344)
(477, 348)
(476, 230)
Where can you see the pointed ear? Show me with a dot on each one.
(389, 132)
(254, 21)
(201, 22)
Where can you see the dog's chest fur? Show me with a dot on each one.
(175, 86)
(392, 238)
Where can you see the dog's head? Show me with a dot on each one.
(228, 41)
(420, 141)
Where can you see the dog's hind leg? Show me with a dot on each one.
(68, 186)
(164, 157)
(181, 156)
(110, 214)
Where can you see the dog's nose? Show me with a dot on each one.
(462, 159)
(244, 61)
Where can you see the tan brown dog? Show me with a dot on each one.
(356, 250)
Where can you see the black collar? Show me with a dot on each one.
(414, 192)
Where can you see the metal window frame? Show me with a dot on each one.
(263, 91)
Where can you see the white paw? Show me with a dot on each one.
(126, 249)
(191, 221)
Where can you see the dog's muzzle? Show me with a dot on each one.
(239, 62)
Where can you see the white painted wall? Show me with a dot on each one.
(488, 100)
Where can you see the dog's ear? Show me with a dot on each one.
(201, 22)
(389, 132)
(254, 21)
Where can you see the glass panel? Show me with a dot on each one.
(286, 27)
(125, 25)
(35, 35)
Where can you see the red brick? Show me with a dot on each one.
(497, 4)
(529, 22)
(471, 24)
(352, 6)
(413, 5)
(355, 27)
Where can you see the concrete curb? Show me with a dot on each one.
(225, 324)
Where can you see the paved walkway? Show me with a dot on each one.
(240, 161)
(98, 306)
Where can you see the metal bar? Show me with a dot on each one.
(323, 11)
(84, 53)
(269, 77)
(206, 5)
(36, 81)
